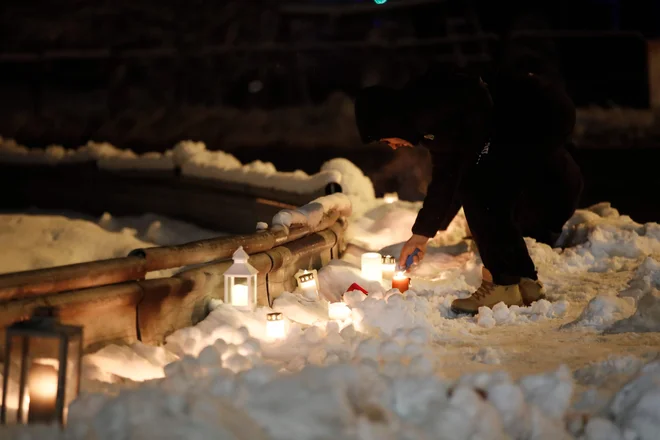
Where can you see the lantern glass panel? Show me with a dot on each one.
(33, 377)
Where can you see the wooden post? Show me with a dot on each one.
(654, 73)
(311, 252)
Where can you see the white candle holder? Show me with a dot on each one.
(241, 282)
(372, 266)
(308, 283)
(275, 326)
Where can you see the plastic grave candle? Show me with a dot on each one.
(338, 311)
(400, 281)
(241, 282)
(275, 326)
(391, 197)
(372, 266)
(42, 369)
(388, 266)
(308, 283)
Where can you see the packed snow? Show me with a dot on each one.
(192, 158)
(582, 364)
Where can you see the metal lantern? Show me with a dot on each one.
(241, 282)
(308, 283)
(42, 369)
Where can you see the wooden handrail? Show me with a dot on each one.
(141, 261)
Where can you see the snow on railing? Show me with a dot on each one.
(312, 214)
(192, 158)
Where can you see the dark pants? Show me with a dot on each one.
(506, 197)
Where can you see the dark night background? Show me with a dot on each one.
(264, 79)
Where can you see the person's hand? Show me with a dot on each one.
(414, 242)
(395, 143)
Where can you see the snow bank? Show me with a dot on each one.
(312, 213)
(193, 159)
(39, 241)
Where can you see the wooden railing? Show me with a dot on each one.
(117, 302)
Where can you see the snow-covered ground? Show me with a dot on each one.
(582, 365)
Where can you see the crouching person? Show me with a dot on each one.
(498, 150)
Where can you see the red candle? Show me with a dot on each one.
(400, 281)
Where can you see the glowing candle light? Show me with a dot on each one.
(275, 328)
(239, 295)
(372, 266)
(42, 389)
(307, 281)
(391, 197)
(401, 282)
(388, 266)
(338, 311)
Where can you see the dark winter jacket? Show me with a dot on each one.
(455, 115)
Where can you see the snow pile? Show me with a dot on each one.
(605, 233)
(354, 184)
(312, 213)
(646, 278)
(538, 311)
(32, 242)
(602, 311)
(106, 155)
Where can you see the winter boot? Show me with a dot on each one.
(531, 290)
(488, 294)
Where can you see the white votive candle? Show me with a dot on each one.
(372, 266)
(239, 295)
(275, 328)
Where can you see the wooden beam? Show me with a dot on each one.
(108, 314)
(203, 251)
(70, 277)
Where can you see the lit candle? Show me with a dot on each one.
(275, 326)
(391, 197)
(239, 295)
(372, 266)
(338, 311)
(307, 284)
(388, 266)
(42, 389)
(400, 281)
